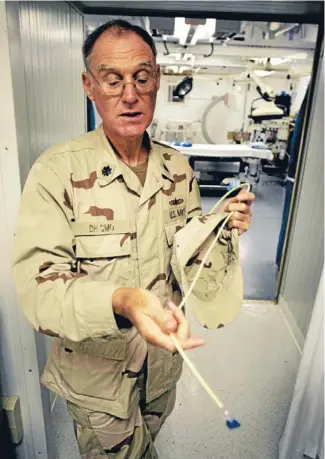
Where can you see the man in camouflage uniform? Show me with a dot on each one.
(93, 250)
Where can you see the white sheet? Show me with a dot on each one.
(223, 151)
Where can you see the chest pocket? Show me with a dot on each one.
(104, 248)
(175, 214)
(171, 229)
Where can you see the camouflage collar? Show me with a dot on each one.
(110, 167)
(163, 159)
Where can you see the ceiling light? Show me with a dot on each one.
(204, 32)
(184, 68)
(274, 26)
(298, 56)
(187, 57)
(272, 60)
(172, 68)
(263, 73)
(278, 60)
(176, 56)
(181, 30)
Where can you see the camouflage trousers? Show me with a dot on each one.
(100, 435)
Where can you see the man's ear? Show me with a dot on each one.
(88, 85)
(158, 76)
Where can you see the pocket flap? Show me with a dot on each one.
(107, 246)
(171, 230)
(113, 349)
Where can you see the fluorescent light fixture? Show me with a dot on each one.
(204, 32)
(278, 60)
(298, 56)
(273, 60)
(275, 26)
(173, 68)
(181, 30)
(184, 68)
(176, 56)
(285, 29)
(263, 73)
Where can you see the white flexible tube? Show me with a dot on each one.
(174, 339)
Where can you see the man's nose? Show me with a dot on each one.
(130, 94)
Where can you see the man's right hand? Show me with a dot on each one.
(154, 323)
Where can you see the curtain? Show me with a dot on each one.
(304, 432)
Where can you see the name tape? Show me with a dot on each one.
(97, 228)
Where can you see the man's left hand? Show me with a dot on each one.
(240, 205)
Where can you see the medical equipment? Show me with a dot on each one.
(272, 106)
(273, 135)
(231, 423)
(183, 87)
(213, 164)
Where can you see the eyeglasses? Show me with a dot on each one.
(114, 86)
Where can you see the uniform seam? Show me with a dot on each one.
(49, 168)
(48, 156)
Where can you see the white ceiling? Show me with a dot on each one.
(228, 56)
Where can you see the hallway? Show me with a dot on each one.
(252, 365)
(258, 246)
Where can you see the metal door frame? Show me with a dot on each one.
(281, 11)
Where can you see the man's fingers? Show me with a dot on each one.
(239, 207)
(183, 325)
(240, 216)
(152, 333)
(183, 331)
(165, 319)
(192, 343)
(170, 325)
(245, 196)
(240, 225)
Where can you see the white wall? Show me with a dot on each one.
(305, 245)
(42, 103)
(18, 363)
(51, 39)
(221, 118)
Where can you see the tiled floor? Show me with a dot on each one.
(252, 365)
(258, 246)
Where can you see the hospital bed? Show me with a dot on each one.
(216, 165)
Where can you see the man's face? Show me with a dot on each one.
(116, 58)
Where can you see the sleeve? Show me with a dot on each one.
(56, 298)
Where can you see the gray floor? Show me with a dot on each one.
(252, 365)
(258, 246)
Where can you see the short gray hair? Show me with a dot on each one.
(120, 26)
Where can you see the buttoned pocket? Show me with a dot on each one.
(104, 250)
(107, 246)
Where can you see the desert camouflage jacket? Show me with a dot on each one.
(86, 227)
